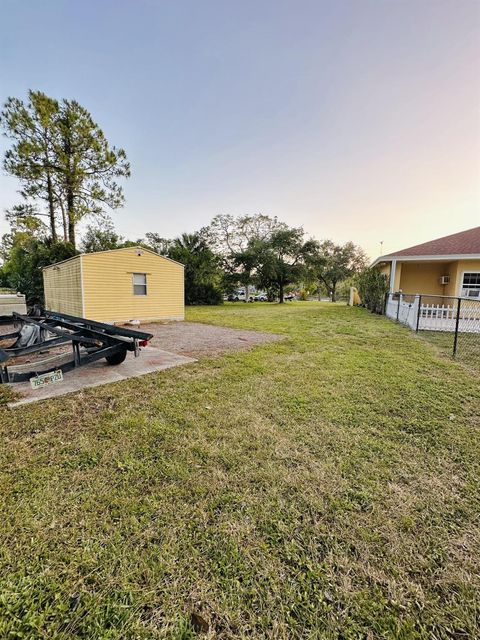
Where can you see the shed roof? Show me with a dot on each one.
(93, 253)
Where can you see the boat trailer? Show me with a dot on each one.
(90, 341)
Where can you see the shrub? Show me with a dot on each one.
(22, 271)
(303, 295)
(372, 287)
(203, 294)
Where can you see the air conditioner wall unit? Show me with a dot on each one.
(445, 280)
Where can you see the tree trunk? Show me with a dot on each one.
(51, 208)
(280, 294)
(71, 219)
(334, 286)
(70, 212)
(64, 222)
(69, 184)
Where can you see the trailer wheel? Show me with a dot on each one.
(116, 358)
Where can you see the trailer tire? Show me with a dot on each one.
(116, 358)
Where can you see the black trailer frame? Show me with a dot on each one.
(90, 341)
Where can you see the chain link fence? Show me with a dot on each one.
(451, 323)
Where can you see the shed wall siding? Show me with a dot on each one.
(108, 287)
(63, 288)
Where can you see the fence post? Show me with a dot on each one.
(455, 339)
(398, 308)
(419, 303)
(385, 303)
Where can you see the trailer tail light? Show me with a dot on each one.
(143, 343)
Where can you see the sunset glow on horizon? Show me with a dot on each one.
(358, 120)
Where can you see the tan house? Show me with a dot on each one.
(116, 286)
(448, 266)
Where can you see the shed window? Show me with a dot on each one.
(471, 285)
(139, 284)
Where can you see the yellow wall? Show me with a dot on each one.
(457, 274)
(424, 276)
(385, 269)
(108, 286)
(63, 287)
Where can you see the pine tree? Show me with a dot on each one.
(61, 156)
(31, 158)
(87, 166)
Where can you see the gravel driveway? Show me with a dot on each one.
(203, 340)
(192, 339)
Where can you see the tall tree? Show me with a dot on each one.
(61, 156)
(333, 263)
(33, 128)
(87, 166)
(228, 234)
(281, 259)
(232, 238)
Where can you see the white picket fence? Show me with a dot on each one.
(434, 317)
(401, 310)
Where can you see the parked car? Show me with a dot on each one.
(261, 298)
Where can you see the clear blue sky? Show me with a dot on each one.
(357, 119)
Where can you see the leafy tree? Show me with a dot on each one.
(101, 237)
(333, 263)
(202, 271)
(24, 222)
(281, 259)
(22, 271)
(232, 237)
(61, 157)
(229, 235)
(243, 266)
(157, 243)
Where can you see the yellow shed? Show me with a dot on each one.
(116, 286)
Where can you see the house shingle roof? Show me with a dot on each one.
(465, 242)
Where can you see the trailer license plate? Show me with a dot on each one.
(46, 378)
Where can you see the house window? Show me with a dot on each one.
(139, 284)
(471, 285)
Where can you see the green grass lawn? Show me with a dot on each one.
(468, 346)
(325, 486)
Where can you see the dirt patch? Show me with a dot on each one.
(202, 340)
(190, 339)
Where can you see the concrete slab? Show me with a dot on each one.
(151, 359)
